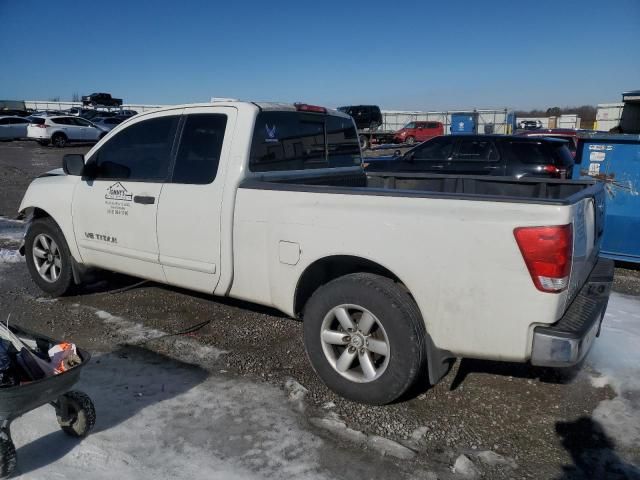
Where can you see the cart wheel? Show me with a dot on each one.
(80, 414)
(7, 456)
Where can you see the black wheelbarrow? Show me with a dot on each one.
(74, 409)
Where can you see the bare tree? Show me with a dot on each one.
(75, 97)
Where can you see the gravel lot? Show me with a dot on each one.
(538, 421)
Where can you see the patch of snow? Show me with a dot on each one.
(465, 468)
(329, 405)
(185, 425)
(11, 229)
(296, 393)
(419, 433)
(46, 300)
(492, 458)
(10, 256)
(599, 382)
(386, 446)
(339, 429)
(616, 355)
(183, 348)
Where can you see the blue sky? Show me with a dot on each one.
(399, 55)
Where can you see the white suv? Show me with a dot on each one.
(61, 130)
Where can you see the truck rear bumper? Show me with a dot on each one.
(567, 342)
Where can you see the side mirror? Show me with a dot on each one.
(73, 164)
(397, 153)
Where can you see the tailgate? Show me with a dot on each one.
(588, 227)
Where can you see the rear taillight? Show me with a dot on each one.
(547, 253)
(552, 170)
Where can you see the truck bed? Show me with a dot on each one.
(463, 187)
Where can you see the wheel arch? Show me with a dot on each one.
(30, 214)
(325, 269)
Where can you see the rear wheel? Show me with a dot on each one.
(410, 140)
(59, 139)
(365, 338)
(7, 455)
(48, 258)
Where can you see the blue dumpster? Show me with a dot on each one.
(464, 123)
(615, 160)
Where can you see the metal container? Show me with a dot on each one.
(464, 123)
(615, 160)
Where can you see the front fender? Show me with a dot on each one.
(52, 196)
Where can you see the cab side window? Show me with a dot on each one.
(435, 150)
(200, 147)
(477, 151)
(140, 152)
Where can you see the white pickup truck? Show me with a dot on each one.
(393, 275)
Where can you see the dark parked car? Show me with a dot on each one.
(502, 155)
(365, 116)
(102, 99)
(564, 133)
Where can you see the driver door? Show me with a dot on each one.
(114, 212)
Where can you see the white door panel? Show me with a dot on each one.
(109, 222)
(189, 218)
(115, 215)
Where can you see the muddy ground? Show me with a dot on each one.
(539, 421)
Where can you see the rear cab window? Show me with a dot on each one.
(288, 140)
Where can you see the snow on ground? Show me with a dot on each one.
(10, 256)
(160, 419)
(11, 229)
(616, 356)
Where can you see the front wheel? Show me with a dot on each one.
(76, 414)
(48, 258)
(365, 338)
(410, 140)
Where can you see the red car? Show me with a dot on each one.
(414, 132)
(564, 133)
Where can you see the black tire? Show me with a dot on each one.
(403, 328)
(8, 458)
(64, 281)
(59, 140)
(410, 140)
(82, 414)
(364, 142)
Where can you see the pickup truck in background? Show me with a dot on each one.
(101, 100)
(393, 275)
